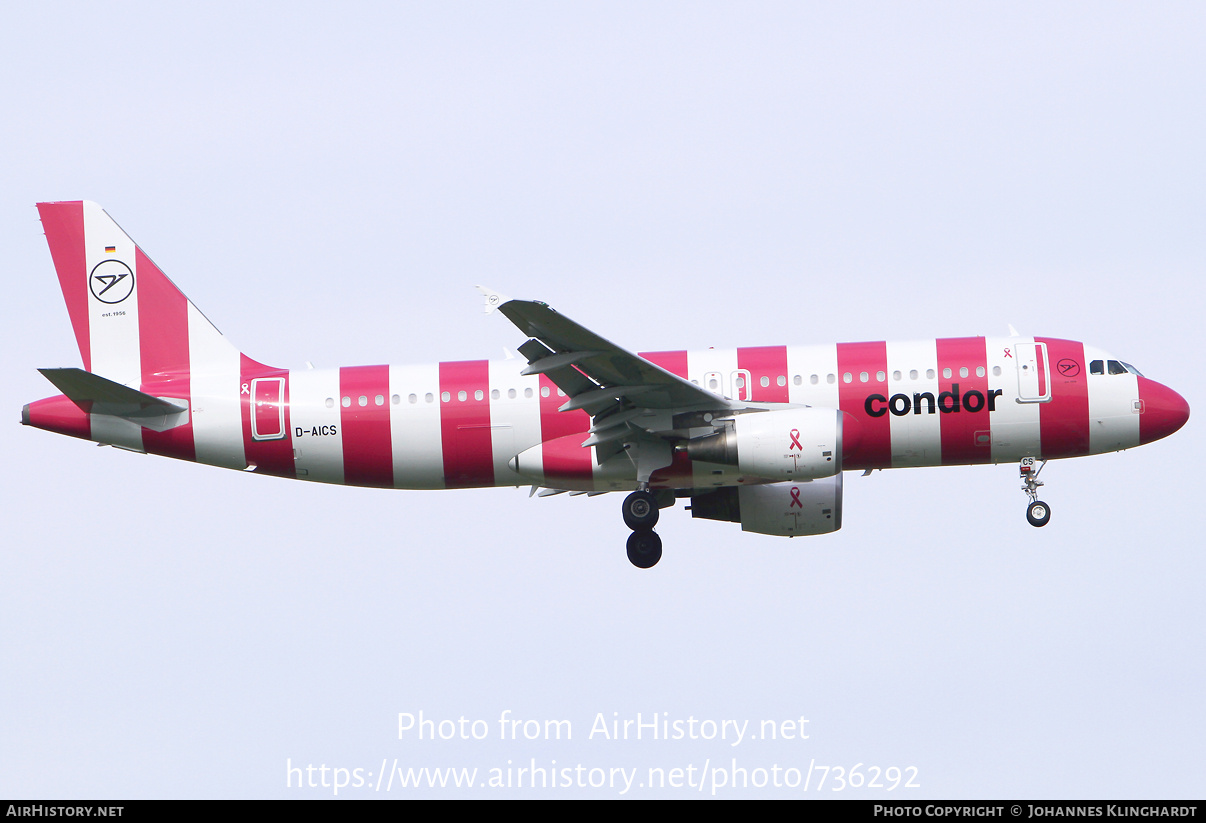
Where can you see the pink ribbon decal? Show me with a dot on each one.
(795, 440)
(795, 497)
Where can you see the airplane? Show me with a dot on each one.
(757, 436)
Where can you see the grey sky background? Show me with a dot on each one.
(327, 183)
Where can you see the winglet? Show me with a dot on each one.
(493, 299)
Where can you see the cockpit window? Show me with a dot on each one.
(1113, 367)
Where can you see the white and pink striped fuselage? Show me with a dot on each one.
(759, 436)
(461, 424)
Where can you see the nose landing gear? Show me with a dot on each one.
(641, 514)
(1038, 513)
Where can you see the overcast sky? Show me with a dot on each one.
(328, 182)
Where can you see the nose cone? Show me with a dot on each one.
(1164, 411)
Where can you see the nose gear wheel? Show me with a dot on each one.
(1038, 513)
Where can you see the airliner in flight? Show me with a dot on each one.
(757, 436)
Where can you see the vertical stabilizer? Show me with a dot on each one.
(136, 331)
(132, 324)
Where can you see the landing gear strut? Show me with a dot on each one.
(1038, 512)
(640, 514)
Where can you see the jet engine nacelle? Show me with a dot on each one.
(790, 444)
(782, 509)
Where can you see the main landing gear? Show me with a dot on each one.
(640, 514)
(1038, 512)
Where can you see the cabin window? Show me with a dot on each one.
(527, 393)
(330, 402)
(414, 398)
(379, 400)
(913, 374)
(510, 394)
(963, 372)
(929, 374)
(544, 391)
(428, 398)
(814, 379)
(782, 380)
(494, 395)
(880, 377)
(445, 396)
(347, 402)
(1115, 367)
(829, 378)
(847, 377)
(765, 381)
(478, 395)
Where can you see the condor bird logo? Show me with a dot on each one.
(111, 281)
(1068, 368)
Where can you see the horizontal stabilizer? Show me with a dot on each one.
(98, 395)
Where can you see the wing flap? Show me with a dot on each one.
(567, 378)
(557, 361)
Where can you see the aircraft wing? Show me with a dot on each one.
(632, 402)
(612, 374)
